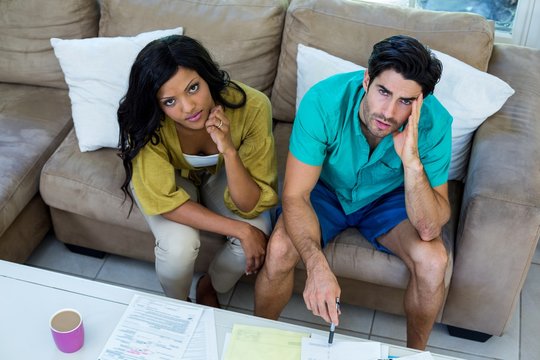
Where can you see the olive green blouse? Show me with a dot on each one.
(155, 166)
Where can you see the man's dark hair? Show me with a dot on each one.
(408, 57)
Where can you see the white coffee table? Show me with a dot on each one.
(29, 296)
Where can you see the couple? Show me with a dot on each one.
(369, 150)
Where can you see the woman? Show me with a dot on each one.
(199, 154)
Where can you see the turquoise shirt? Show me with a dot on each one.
(326, 132)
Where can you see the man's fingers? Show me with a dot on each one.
(324, 313)
(307, 300)
(333, 312)
(417, 106)
(318, 307)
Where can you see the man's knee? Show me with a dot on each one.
(430, 261)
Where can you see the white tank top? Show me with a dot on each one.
(201, 161)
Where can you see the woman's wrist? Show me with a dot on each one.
(241, 230)
(229, 153)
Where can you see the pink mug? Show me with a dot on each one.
(67, 330)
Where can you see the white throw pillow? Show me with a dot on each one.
(97, 73)
(468, 94)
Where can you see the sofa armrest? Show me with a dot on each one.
(500, 214)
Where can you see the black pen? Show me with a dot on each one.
(333, 326)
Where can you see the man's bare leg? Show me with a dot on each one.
(426, 261)
(274, 284)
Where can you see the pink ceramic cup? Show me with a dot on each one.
(67, 330)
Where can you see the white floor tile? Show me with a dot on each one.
(242, 297)
(131, 273)
(360, 335)
(51, 254)
(389, 326)
(505, 347)
(530, 320)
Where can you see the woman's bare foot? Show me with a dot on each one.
(206, 295)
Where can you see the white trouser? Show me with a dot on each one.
(177, 245)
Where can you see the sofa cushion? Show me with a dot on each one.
(26, 55)
(350, 29)
(94, 179)
(244, 36)
(96, 87)
(34, 120)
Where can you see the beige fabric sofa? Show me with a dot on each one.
(496, 214)
(35, 114)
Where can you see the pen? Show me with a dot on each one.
(333, 326)
(331, 335)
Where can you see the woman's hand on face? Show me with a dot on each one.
(218, 126)
(254, 244)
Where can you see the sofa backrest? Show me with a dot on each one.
(26, 54)
(349, 29)
(243, 36)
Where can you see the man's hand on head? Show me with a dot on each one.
(406, 141)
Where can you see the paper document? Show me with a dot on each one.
(152, 328)
(203, 344)
(316, 348)
(261, 343)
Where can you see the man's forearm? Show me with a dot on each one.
(303, 228)
(427, 210)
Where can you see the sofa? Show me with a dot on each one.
(495, 222)
(35, 113)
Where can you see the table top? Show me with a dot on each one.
(31, 295)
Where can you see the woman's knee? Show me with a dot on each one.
(178, 249)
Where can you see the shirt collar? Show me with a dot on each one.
(356, 115)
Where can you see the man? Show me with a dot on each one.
(369, 150)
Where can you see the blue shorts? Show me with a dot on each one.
(373, 220)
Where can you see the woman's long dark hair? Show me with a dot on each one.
(139, 114)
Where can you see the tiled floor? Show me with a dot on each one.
(521, 341)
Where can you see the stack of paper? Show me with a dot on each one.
(262, 343)
(165, 329)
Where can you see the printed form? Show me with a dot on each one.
(154, 328)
